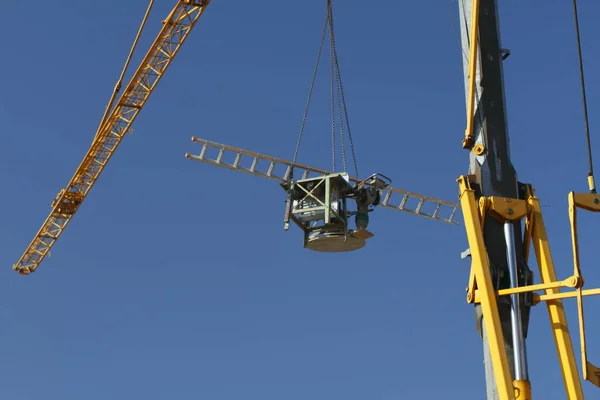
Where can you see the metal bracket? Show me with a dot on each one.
(536, 236)
(589, 202)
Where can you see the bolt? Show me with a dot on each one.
(573, 281)
(596, 201)
(510, 211)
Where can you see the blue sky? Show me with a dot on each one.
(175, 280)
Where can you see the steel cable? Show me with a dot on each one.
(584, 98)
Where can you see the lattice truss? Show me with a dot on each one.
(175, 30)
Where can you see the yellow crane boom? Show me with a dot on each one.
(175, 30)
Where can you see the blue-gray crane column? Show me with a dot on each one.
(494, 175)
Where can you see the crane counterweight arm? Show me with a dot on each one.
(176, 28)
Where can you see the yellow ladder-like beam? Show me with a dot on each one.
(175, 30)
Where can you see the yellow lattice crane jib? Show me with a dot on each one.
(114, 125)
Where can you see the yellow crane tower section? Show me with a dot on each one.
(115, 124)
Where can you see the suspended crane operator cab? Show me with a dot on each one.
(332, 209)
(319, 206)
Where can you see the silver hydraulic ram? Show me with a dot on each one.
(518, 340)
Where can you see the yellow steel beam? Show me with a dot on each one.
(481, 267)
(556, 312)
(505, 209)
(589, 202)
(566, 295)
(543, 286)
(468, 140)
(174, 31)
(569, 282)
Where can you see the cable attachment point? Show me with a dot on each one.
(591, 183)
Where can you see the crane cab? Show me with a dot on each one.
(319, 207)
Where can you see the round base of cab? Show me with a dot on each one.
(333, 242)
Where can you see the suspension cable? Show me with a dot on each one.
(310, 90)
(591, 183)
(124, 70)
(334, 77)
(337, 98)
(342, 98)
(332, 82)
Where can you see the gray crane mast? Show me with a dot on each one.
(494, 175)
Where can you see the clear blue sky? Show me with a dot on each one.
(176, 280)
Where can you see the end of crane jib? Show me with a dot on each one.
(22, 271)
